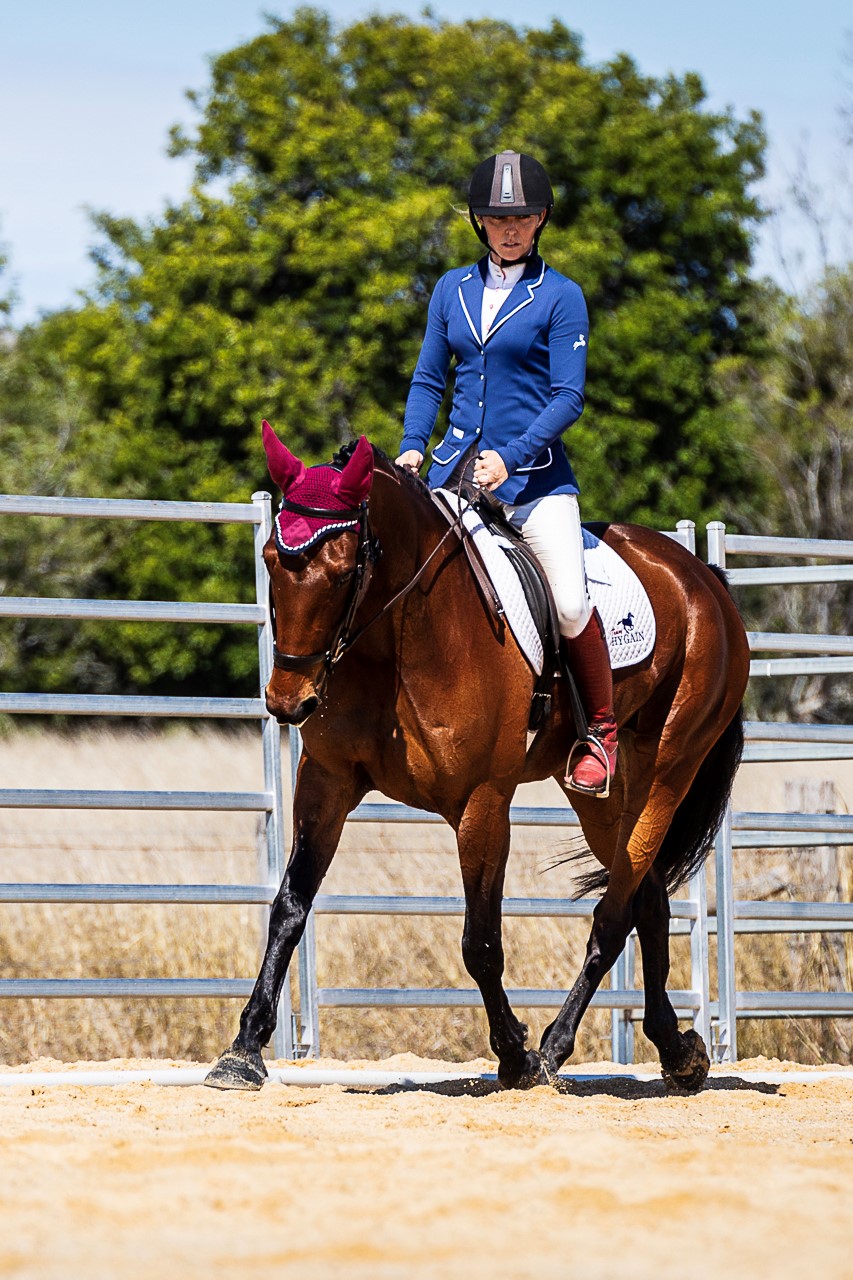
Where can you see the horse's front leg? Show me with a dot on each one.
(320, 806)
(483, 839)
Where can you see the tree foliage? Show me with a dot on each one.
(797, 402)
(52, 446)
(292, 282)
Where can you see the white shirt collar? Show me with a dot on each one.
(504, 277)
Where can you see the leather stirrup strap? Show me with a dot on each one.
(484, 582)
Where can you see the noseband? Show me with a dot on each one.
(367, 554)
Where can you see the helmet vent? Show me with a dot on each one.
(507, 192)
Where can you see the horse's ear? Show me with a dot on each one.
(285, 469)
(353, 483)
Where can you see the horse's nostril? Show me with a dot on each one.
(309, 706)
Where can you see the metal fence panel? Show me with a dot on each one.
(741, 830)
(268, 802)
(775, 830)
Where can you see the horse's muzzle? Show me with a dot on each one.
(296, 715)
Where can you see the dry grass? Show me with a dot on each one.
(199, 941)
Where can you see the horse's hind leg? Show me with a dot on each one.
(659, 778)
(611, 924)
(626, 836)
(483, 839)
(683, 1056)
(321, 804)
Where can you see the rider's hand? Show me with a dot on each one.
(411, 458)
(490, 470)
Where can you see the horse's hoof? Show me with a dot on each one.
(237, 1069)
(690, 1072)
(532, 1072)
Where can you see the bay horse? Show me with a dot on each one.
(402, 681)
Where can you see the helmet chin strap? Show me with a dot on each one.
(512, 262)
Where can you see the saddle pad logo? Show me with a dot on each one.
(625, 633)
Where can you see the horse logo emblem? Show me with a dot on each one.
(624, 634)
(581, 342)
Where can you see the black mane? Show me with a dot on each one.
(405, 474)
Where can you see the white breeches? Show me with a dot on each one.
(551, 527)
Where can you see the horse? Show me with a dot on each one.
(402, 681)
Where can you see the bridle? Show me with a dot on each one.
(367, 554)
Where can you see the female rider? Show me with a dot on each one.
(518, 331)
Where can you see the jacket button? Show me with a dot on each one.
(480, 403)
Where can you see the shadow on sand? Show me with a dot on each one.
(624, 1087)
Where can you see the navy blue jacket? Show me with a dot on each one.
(517, 392)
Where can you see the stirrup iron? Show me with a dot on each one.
(597, 748)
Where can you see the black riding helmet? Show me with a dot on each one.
(509, 184)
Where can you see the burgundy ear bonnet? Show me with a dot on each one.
(324, 487)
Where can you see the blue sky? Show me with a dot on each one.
(89, 89)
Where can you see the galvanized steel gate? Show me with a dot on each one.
(267, 802)
(715, 1020)
(828, 654)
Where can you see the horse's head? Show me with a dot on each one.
(318, 560)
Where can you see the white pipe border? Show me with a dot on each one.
(367, 1078)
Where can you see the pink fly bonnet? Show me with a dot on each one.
(336, 494)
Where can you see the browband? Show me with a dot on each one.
(320, 513)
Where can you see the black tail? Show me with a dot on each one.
(697, 819)
(700, 815)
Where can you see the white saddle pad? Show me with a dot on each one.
(622, 601)
(621, 598)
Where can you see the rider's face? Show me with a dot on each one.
(511, 238)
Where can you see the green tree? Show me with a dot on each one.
(797, 404)
(292, 282)
(53, 446)
(42, 425)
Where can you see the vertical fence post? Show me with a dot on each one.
(271, 739)
(699, 963)
(622, 1020)
(726, 1046)
(309, 1008)
(697, 894)
(725, 1049)
(687, 529)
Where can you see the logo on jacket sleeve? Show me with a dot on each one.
(581, 342)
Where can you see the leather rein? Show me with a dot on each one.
(367, 554)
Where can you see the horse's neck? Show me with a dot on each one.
(407, 522)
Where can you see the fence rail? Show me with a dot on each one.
(224, 801)
(129, 610)
(74, 704)
(24, 504)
